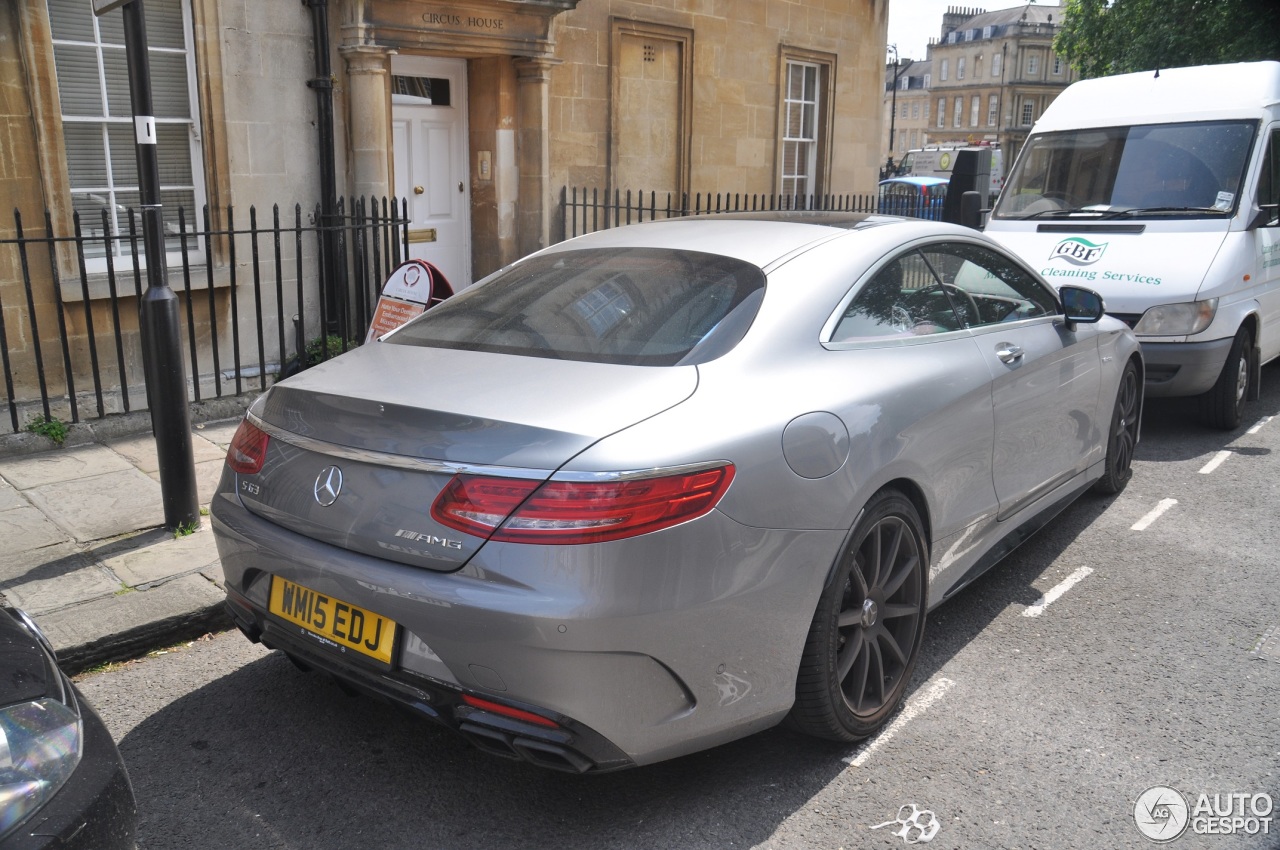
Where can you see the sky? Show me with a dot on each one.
(913, 22)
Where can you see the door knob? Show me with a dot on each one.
(1008, 352)
(418, 190)
(459, 185)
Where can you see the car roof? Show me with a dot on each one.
(759, 238)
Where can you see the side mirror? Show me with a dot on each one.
(1081, 305)
(1266, 215)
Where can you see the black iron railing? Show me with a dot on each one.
(68, 303)
(588, 210)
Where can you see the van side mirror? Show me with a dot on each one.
(1265, 217)
(1081, 305)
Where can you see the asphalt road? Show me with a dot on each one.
(1030, 725)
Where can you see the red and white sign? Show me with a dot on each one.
(406, 294)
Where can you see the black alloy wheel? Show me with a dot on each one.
(866, 634)
(1123, 437)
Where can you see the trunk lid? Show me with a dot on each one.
(398, 422)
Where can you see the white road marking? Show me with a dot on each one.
(917, 705)
(1049, 598)
(1159, 509)
(1256, 428)
(1215, 463)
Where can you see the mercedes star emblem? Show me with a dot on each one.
(328, 486)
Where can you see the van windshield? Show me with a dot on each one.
(1193, 169)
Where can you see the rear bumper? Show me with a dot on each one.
(1183, 368)
(637, 650)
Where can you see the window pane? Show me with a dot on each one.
(164, 25)
(171, 201)
(86, 156)
(111, 26)
(811, 119)
(78, 89)
(636, 306)
(71, 20)
(170, 97)
(117, 68)
(810, 83)
(999, 288)
(124, 156)
(173, 149)
(795, 82)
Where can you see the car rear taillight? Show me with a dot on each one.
(248, 449)
(563, 512)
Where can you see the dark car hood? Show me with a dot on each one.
(24, 667)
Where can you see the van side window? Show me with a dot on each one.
(1269, 180)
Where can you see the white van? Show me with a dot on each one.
(941, 160)
(1159, 191)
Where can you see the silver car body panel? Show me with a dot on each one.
(677, 640)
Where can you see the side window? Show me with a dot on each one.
(1269, 180)
(903, 299)
(986, 287)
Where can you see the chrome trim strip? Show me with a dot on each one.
(442, 467)
(377, 458)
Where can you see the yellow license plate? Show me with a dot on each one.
(339, 624)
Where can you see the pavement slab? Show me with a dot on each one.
(140, 451)
(62, 465)
(103, 505)
(208, 474)
(45, 563)
(10, 497)
(40, 596)
(124, 626)
(24, 528)
(219, 433)
(154, 556)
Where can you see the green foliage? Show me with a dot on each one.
(50, 426)
(186, 529)
(316, 349)
(1103, 37)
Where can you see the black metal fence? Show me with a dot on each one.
(589, 210)
(68, 315)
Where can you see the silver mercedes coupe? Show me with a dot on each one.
(663, 486)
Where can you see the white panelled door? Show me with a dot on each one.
(429, 146)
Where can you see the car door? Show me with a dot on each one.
(1045, 378)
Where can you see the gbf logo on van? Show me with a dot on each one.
(1077, 251)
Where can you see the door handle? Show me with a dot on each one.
(418, 190)
(1008, 352)
(460, 189)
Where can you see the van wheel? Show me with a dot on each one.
(1223, 406)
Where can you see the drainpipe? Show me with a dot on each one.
(334, 280)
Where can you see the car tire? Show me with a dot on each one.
(1123, 436)
(1222, 407)
(866, 634)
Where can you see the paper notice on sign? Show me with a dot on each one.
(410, 282)
(391, 314)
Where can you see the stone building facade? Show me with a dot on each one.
(994, 73)
(907, 106)
(478, 112)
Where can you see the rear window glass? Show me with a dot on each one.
(629, 306)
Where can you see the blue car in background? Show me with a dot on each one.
(913, 197)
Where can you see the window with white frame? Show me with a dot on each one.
(944, 69)
(928, 80)
(1028, 113)
(915, 110)
(97, 120)
(974, 106)
(905, 83)
(993, 105)
(995, 64)
(1033, 64)
(960, 68)
(1057, 66)
(958, 115)
(986, 32)
(942, 112)
(800, 129)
